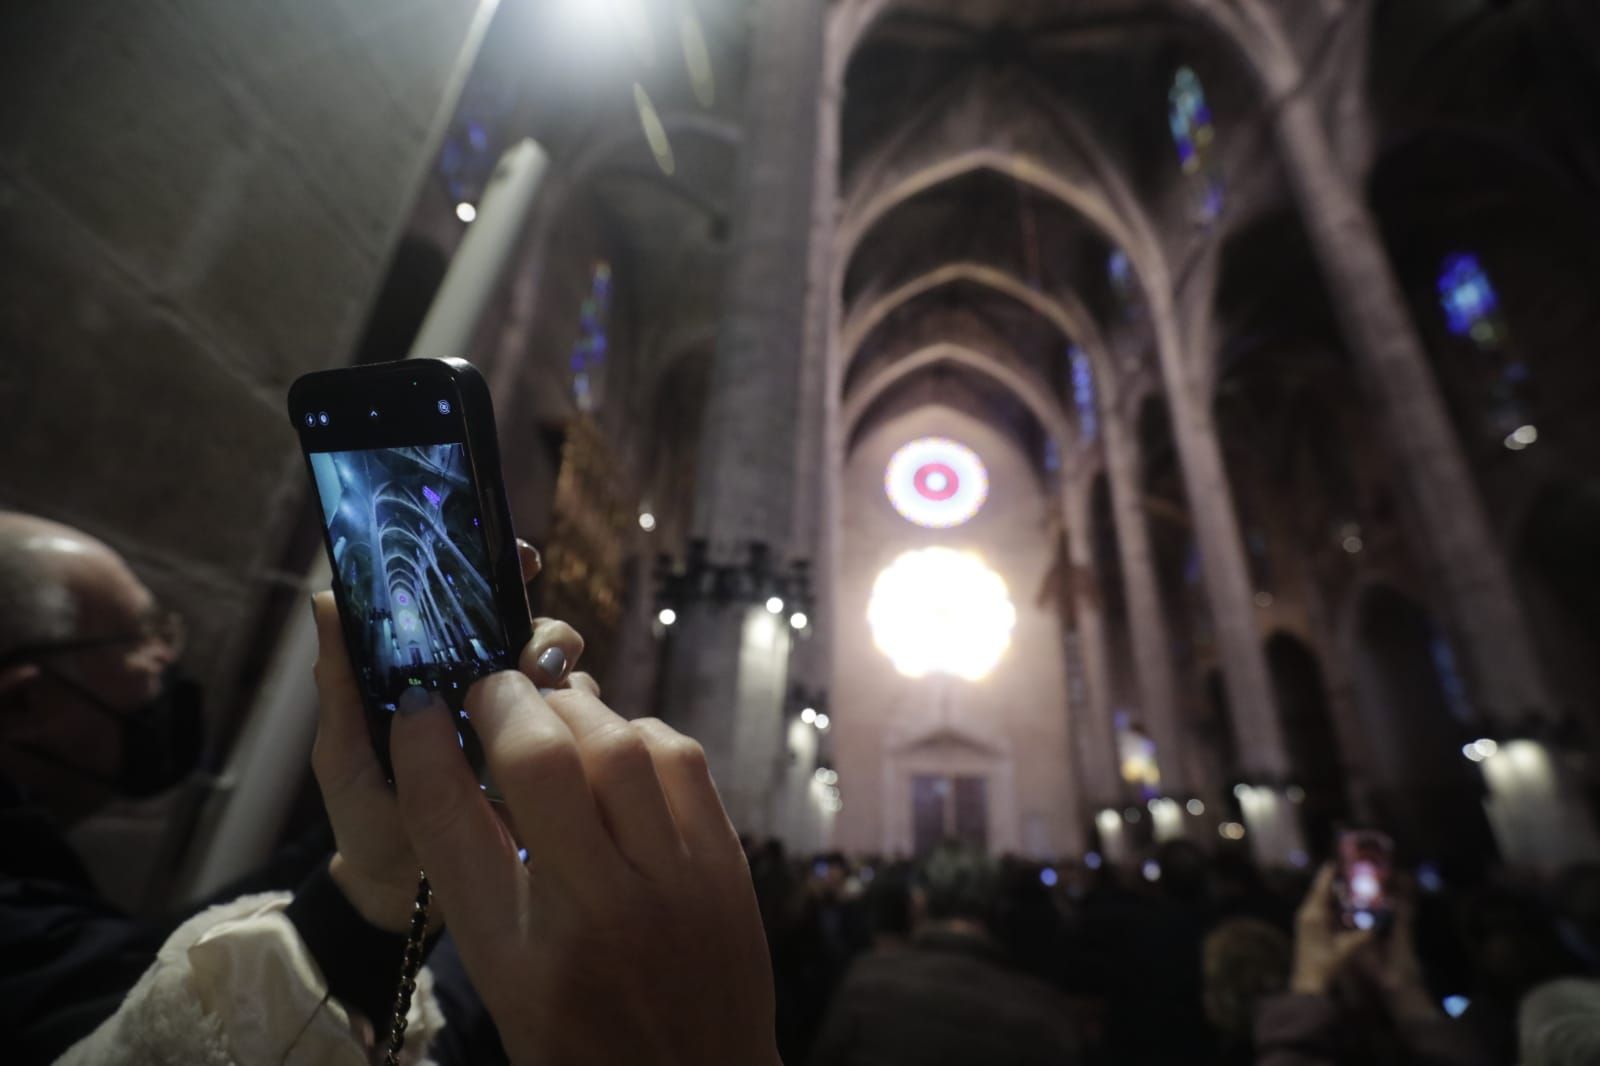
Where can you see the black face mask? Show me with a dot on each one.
(161, 742)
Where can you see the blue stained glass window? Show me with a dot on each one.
(590, 349)
(1083, 397)
(1189, 117)
(1124, 288)
(1450, 682)
(1469, 300)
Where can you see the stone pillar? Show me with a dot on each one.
(1257, 727)
(1152, 641)
(1468, 567)
(728, 669)
(1091, 724)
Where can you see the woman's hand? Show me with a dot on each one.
(1321, 948)
(631, 934)
(374, 865)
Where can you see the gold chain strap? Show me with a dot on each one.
(409, 965)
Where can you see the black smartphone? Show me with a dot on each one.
(405, 465)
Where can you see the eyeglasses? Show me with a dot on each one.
(158, 624)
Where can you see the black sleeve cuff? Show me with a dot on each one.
(360, 962)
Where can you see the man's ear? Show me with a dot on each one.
(13, 678)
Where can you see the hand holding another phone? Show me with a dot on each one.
(1326, 950)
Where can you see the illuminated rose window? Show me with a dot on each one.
(936, 483)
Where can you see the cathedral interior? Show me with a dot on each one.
(1067, 427)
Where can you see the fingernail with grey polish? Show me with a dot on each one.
(553, 661)
(414, 699)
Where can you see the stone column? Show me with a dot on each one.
(1468, 567)
(1257, 727)
(1091, 724)
(728, 669)
(1152, 640)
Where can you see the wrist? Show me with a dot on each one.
(1308, 981)
(384, 905)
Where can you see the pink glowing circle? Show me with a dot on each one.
(936, 483)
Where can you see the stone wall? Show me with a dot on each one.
(197, 201)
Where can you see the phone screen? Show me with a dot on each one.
(1366, 861)
(413, 569)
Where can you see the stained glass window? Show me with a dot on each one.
(1472, 311)
(1124, 289)
(1449, 675)
(1193, 133)
(1470, 303)
(590, 350)
(1083, 398)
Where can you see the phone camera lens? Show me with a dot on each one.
(444, 407)
(373, 414)
(323, 417)
(311, 420)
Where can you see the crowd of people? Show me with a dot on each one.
(643, 930)
(1188, 958)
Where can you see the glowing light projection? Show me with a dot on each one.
(1192, 132)
(941, 611)
(936, 483)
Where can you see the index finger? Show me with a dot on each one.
(465, 851)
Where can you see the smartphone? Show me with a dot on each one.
(405, 465)
(1361, 884)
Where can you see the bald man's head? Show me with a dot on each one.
(59, 584)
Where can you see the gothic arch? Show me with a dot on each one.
(860, 218)
(1021, 383)
(1066, 313)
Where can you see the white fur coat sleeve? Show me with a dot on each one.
(236, 986)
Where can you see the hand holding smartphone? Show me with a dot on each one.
(405, 464)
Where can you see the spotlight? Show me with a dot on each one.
(798, 620)
(808, 715)
(647, 521)
(822, 721)
(1471, 752)
(1047, 877)
(667, 616)
(1231, 831)
(1151, 870)
(1485, 748)
(1241, 790)
(1195, 807)
(1092, 860)
(466, 212)
(775, 604)
(1353, 545)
